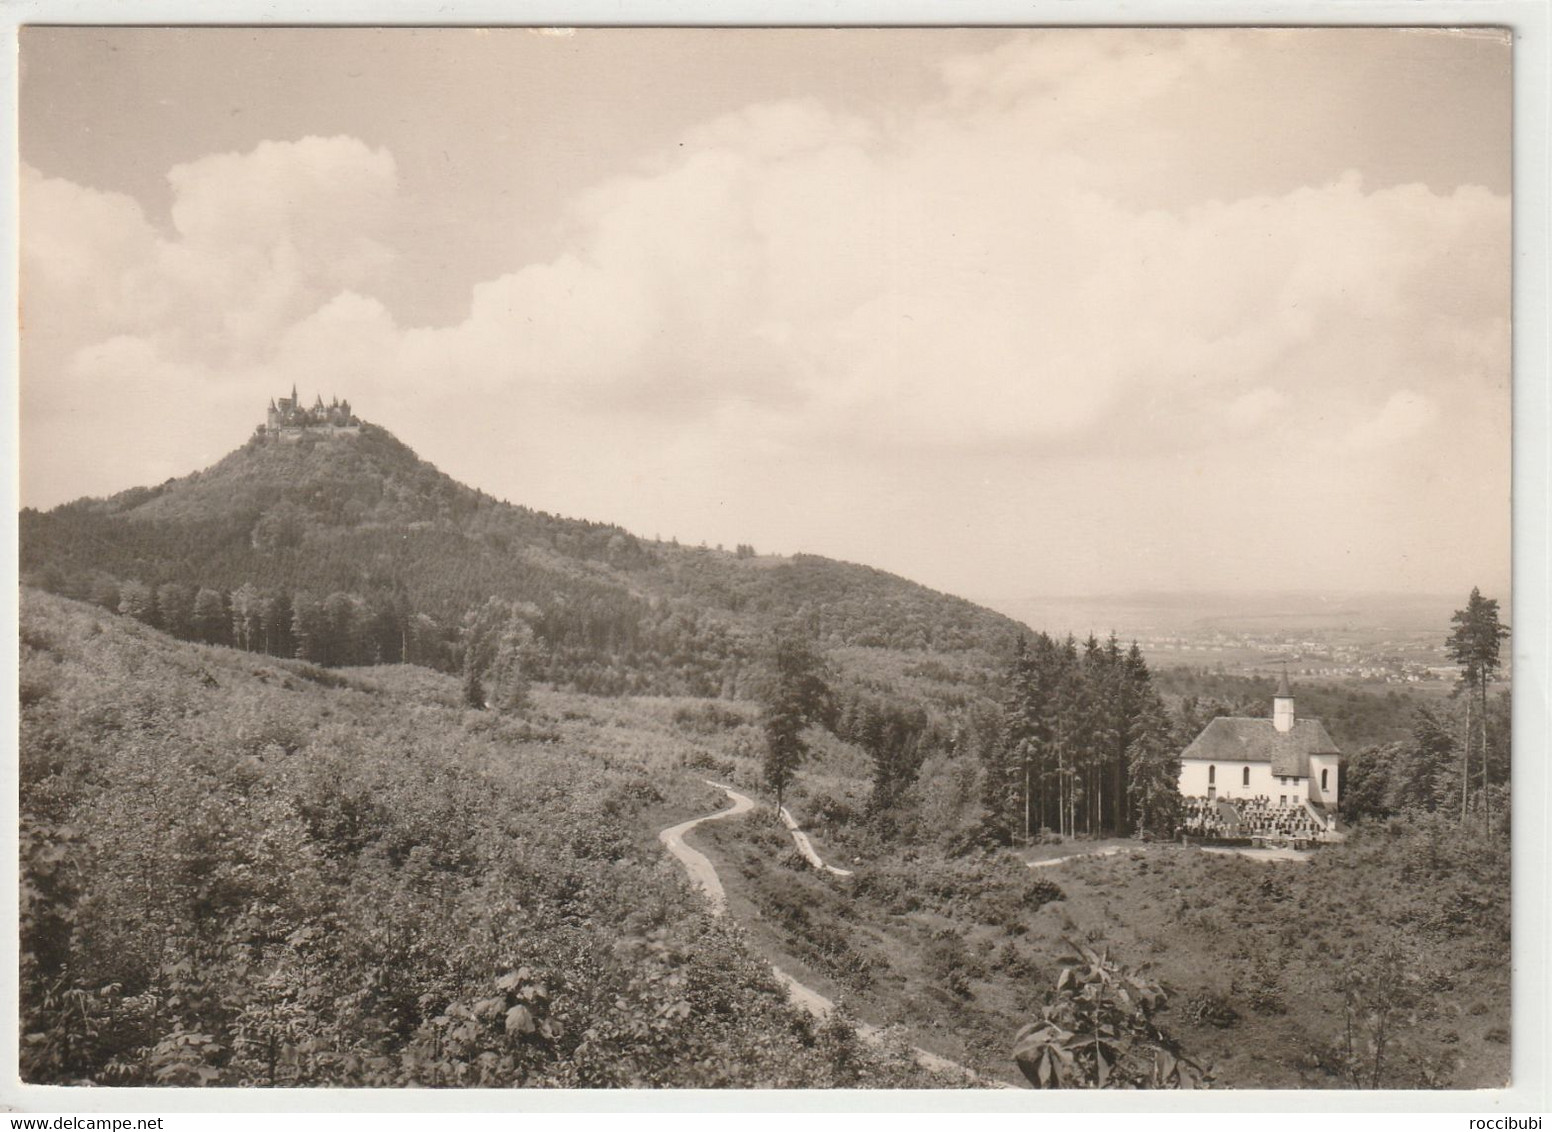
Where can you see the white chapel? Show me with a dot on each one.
(1282, 764)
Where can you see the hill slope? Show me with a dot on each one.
(237, 870)
(410, 553)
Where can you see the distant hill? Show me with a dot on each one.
(387, 556)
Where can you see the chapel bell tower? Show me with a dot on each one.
(1282, 704)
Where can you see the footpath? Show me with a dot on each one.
(703, 874)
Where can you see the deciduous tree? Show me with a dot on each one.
(796, 696)
(209, 618)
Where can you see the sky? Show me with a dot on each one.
(1010, 313)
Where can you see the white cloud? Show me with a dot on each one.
(795, 278)
(258, 240)
(1250, 409)
(940, 280)
(81, 250)
(323, 196)
(1404, 416)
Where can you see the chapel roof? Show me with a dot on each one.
(1237, 739)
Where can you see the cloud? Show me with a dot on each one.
(137, 333)
(81, 251)
(954, 278)
(1250, 409)
(783, 287)
(323, 196)
(1404, 416)
(258, 240)
(1087, 76)
(913, 286)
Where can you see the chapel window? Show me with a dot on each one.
(1246, 779)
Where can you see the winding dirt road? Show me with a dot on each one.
(703, 874)
(806, 847)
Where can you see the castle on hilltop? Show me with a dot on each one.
(288, 420)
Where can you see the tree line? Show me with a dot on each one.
(1456, 759)
(333, 630)
(1083, 743)
(596, 647)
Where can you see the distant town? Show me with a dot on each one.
(1403, 659)
(1376, 639)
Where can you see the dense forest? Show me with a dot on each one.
(248, 870)
(1084, 743)
(351, 550)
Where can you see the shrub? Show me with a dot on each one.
(1211, 1009)
(1266, 999)
(950, 964)
(826, 809)
(713, 766)
(708, 718)
(1039, 891)
(1101, 1032)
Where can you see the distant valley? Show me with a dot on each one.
(1371, 638)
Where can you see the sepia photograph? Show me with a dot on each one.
(765, 558)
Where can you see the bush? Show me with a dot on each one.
(710, 764)
(828, 810)
(1211, 1009)
(709, 718)
(1101, 1032)
(1038, 891)
(950, 964)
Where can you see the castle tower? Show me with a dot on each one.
(288, 419)
(1282, 704)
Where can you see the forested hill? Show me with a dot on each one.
(350, 549)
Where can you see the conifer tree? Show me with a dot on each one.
(343, 629)
(275, 615)
(1474, 645)
(1153, 773)
(473, 688)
